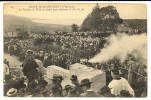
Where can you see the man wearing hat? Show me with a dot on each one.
(29, 52)
(30, 67)
(56, 86)
(108, 75)
(76, 84)
(87, 92)
(15, 84)
(119, 83)
(11, 49)
(6, 72)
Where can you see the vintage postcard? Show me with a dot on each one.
(75, 50)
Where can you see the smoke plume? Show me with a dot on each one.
(121, 45)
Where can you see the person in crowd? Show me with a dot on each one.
(87, 92)
(11, 50)
(144, 92)
(46, 55)
(6, 62)
(36, 55)
(125, 93)
(119, 83)
(41, 81)
(41, 55)
(105, 92)
(130, 72)
(14, 83)
(66, 90)
(30, 67)
(60, 79)
(46, 90)
(76, 84)
(32, 86)
(72, 93)
(6, 72)
(15, 50)
(56, 90)
(108, 76)
(122, 73)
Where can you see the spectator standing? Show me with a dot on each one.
(130, 72)
(30, 67)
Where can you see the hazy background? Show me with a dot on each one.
(69, 17)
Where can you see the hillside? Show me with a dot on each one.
(107, 19)
(102, 19)
(11, 23)
(140, 24)
(40, 27)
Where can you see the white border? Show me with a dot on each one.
(149, 46)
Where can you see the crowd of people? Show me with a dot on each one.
(71, 42)
(62, 47)
(37, 86)
(122, 79)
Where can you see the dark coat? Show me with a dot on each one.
(108, 77)
(57, 90)
(29, 68)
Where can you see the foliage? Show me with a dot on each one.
(74, 28)
(102, 19)
(139, 24)
(23, 34)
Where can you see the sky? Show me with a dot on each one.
(71, 13)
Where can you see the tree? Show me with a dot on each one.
(75, 27)
(86, 24)
(102, 19)
(23, 35)
(96, 19)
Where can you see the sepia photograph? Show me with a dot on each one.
(75, 50)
